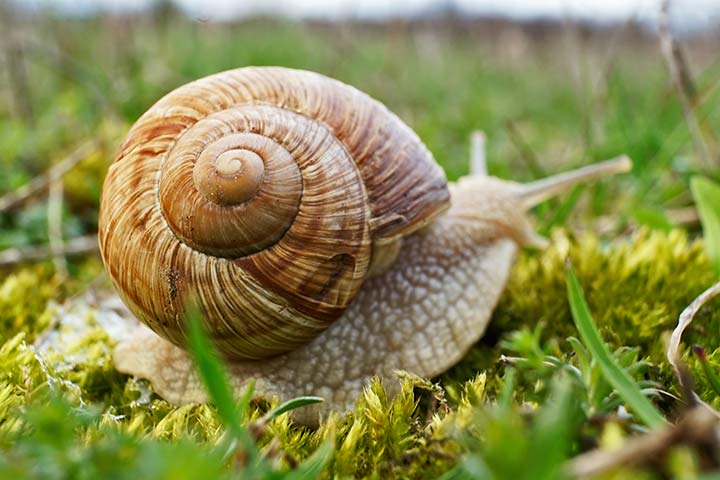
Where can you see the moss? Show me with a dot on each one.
(24, 296)
(636, 289)
(28, 294)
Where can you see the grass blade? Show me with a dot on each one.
(213, 374)
(290, 405)
(471, 468)
(653, 217)
(508, 386)
(315, 463)
(553, 430)
(614, 374)
(214, 377)
(707, 369)
(707, 199)
(563, 211)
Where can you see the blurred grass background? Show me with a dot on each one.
(548, 96)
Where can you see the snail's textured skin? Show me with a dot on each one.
(420, 316)
(261, 194)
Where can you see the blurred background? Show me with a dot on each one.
(552, 83)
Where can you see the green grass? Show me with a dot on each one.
(548, 99)
(613, 372)
(707, 198)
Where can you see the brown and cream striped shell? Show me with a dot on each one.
(260, 194)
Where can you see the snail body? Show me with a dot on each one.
(356, 264)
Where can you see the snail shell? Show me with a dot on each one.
(262, 195)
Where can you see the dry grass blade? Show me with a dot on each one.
(527, 154)
(698, 427)
(16, 197)
(55, 239)
(13, 56)
(76, 246)
(686, 216)
(683, 81)
(686, 317)
(478, 157)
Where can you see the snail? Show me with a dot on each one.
(315, 232)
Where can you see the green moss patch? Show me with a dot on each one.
(635, 288)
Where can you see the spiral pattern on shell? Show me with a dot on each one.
(258, 194)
